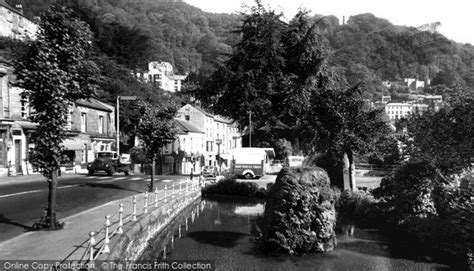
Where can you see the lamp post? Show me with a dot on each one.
(123, 98)
(219, 142)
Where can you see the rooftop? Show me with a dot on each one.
(94, 104)
(187, 126)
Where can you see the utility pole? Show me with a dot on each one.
(219, 142)
(250, 128)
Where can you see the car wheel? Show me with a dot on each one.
(248, 176)
(91, 173)
(126, 173)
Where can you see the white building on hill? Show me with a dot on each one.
(162, 75)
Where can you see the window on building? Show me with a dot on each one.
(9, 16)
(84, 154)
(187, 117)
(83, 122)
(101, 124)
(69, 118)
(25, 108)
(209, 146)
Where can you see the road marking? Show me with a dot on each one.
(20, 193)
(67, 186)
(136, 178)
(103, 178)
(120, 178)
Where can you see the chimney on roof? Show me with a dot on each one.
(19, 7)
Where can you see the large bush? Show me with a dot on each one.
(229, 186)
(428, 213)
(359, 208)
(299, 213)
(409, 192)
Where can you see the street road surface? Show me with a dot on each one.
(22, 204)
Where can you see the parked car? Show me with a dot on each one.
(209, 171)
(110, 162)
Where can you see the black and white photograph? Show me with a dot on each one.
(236, 135)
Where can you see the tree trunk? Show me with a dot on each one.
(52, 185)
(296, 145)
(152, 179)
(160, 165)
(352, 181)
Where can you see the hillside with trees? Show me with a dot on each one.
(367, 49)
(136, 32)
(371, 50)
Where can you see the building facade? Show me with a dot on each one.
(220, 135)
(90, 129)
(14, 24)
(161, 74)
(184, 155)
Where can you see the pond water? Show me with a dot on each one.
(221, 232)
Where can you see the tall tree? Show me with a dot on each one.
(155, 130)
(271, 74)
(444, 139)
(345, 123)
(55, 72)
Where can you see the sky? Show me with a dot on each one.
(455, 16)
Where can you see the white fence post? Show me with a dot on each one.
(145, 207)
(92, 244)
(156, 197)
(134, 214)
(106, 248)
(120, 225)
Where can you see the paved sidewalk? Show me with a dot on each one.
(71, 243)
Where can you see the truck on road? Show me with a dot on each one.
(110, 162)
(251, 162)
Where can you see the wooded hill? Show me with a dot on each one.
(367, 49)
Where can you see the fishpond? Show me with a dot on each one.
(221, 231)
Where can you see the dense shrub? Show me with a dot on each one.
(229, 186)
(360, 208)
(429, 213)
(408, 193)
(299, 213)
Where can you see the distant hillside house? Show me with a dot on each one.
(414, 84)
(14, 24)
(162, 75)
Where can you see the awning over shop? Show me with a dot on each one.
(74, 144)
(226, 156)
(102, 138)
(26, 125)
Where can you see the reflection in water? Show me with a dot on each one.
(254, 210)
(217, 238)
(221, 231)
